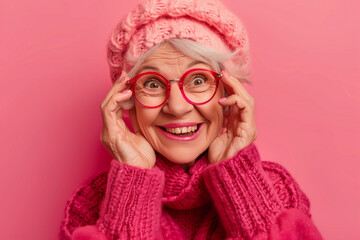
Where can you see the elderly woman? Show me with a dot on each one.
(189, 169)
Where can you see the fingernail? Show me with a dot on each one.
(126, 91)
(222, 99)
(226, 73)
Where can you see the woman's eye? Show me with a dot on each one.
(152, 83)
(199, 80)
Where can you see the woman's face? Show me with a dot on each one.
(160, 125)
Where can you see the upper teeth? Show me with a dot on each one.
(182, 129)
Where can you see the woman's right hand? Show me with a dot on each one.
(125, 146)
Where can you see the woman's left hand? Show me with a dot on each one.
(239, 123)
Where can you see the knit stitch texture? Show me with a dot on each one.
(239, 198)
(206, 21)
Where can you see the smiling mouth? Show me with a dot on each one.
(182, 131)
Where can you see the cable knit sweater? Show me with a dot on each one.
(239, 198)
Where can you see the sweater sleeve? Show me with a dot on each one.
(249, 206)
(131, 208)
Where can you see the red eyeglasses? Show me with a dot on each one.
(151, 89)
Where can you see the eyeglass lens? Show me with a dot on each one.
(198, 86)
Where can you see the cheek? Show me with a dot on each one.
(146, 117)
(219, 116)
(216, 109)
(215, 115)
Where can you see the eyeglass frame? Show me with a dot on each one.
(131, 84)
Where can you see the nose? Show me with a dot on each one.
(176, 104)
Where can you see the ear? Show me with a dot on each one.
(133, 119)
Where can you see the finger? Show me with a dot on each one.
(246, 109)
(121, 77)
(233, 100)
(119, 86)
(116, 99)
(240, 98)
(233, 85)
(117, 89)
(110, 111)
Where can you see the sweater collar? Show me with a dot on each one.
(184, 190)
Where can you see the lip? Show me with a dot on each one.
(175, 125)
(181, 138)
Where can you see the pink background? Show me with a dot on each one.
(54, 75)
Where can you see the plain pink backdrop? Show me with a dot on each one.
(54, 75)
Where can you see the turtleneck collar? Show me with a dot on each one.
(183, 190)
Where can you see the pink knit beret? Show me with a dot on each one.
(206, 21)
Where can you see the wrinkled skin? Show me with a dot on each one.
(222, 135)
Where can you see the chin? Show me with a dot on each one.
(182, 157)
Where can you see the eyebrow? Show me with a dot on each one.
(195, 63)
(148, 67)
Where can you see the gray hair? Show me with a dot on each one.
(219, 61)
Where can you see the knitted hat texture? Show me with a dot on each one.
(206, 21)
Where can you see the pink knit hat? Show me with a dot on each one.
(206, 21)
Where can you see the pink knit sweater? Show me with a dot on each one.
(239, 198)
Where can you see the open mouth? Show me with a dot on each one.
(182, 131)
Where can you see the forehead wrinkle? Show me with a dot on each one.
(153, 60)
(166, 52)
(164, 59)
(178, 68)
(173, 61)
